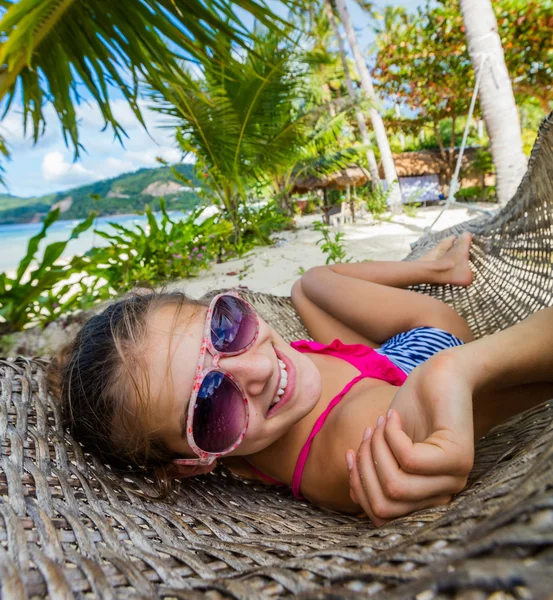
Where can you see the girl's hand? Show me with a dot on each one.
(422, 452)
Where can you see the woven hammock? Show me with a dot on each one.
(70, 528)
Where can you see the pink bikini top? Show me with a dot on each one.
(367, 361)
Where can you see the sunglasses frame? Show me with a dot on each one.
(207, 458)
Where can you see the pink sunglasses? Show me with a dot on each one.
(218, 412)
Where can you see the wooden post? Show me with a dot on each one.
(326, 208)
(351, 202)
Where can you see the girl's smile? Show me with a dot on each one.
(173, 346)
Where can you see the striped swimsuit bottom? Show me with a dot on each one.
(410, 349)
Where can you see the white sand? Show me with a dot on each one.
(274, 269)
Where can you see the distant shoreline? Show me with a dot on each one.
(60, 219)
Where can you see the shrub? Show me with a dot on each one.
(159, 252)
(476, 193)
(376, 199)
(36, 296)
(333, 248)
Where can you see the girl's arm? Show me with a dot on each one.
(369, 299)
(422, 451)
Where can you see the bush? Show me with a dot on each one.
(37, 296)
(333, 248)
(476, 193)
(158, 253)
(376, 199)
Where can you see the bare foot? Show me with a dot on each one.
(455, 262)
(438, 251)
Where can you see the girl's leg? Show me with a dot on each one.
(368, 299)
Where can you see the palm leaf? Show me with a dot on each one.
(69, 47)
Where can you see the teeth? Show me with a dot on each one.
(283, 382)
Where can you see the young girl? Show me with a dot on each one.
(159, 380)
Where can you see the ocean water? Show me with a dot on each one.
(15, 238)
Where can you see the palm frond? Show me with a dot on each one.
(61, 50)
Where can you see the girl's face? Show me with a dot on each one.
(172, 349)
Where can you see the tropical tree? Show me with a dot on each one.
(497, 99)
(249, 120)
(376, 120)
(526, 31)
(59, 52)
(369, 153)
(412, 69)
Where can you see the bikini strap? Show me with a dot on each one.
(304, 453)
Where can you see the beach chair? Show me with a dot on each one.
(342, 217)
(71, 528)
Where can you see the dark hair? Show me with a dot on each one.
(101, 380)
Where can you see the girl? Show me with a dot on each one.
(162, 381)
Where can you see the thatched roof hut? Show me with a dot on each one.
(350, 176)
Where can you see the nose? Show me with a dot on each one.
(252, 370)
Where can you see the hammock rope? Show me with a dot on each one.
(454, 185)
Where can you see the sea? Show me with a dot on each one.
(14, 239)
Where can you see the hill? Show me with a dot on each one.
(127, 193)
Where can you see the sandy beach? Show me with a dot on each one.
(274, 269)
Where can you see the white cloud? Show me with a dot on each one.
(115, 166)
(47, 166)
(56, 168)
(148, 158)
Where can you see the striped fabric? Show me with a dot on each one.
(410, 349)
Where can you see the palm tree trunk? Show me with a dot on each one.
(376, 120)
(496, 96)
(371, 158)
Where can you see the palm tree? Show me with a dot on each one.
(248, 120)
(54, 50)
(371, 159)
(496, 96)
(376, 120)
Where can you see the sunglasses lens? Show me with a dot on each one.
(220, 413)
(233, 324)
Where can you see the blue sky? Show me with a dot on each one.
(48, 166)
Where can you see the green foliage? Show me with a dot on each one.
(250, 122)
(176, 249)
(40, 291)
(411, 209)
(159, 252)
(476, 193)
(376, 199)
(422, 61)
(332, 246)
(413, 67)
(256, 227)
(483, 161)
(526, 28)
(53, 49)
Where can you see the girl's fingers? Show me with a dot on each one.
(398, 485)
(367, 488)
(357, 493)
(435, 456)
